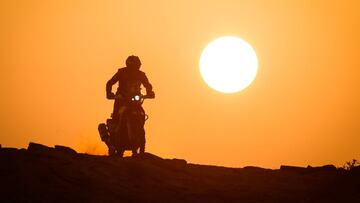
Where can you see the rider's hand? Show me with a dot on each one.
(110, 96)
(150, 94)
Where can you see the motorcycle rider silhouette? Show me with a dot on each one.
(129, 80)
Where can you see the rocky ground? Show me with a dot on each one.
(60, 174)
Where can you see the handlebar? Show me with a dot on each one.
(148, 96)
(136, 97)
(142, 97)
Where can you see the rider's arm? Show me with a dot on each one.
(109, 85)
(147, 85)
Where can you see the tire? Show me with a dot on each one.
(103, 131)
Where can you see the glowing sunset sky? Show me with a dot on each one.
(303, 107)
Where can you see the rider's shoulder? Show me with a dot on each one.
(141, 72)
(121, 70)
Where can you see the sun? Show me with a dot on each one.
(228, 64)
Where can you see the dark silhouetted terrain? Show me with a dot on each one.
(59, 174)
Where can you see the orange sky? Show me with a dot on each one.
(303, 107)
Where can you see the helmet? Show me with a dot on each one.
(133, 62)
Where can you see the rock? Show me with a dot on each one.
(254, 168)
(8, 150)
(151, 157)
(322, 168)
(308, 169)
(295, 169)
(178, 162)
(45, 177)
(38, 148)
(173, 164)
(327, 168)
(64, 149)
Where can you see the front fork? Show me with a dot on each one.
(135, 125)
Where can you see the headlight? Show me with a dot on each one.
(136, 98)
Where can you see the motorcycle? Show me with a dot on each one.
(127, 132)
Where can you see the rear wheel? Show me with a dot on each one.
(103, 131)
(111, 151)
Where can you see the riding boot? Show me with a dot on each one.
(120, 118)
(120, 153)
(134, 152)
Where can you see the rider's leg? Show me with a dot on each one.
(119, 118)
(115, 112)
(120, 153)
(142, 132)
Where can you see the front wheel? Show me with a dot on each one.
(111, 151)
(135, 129)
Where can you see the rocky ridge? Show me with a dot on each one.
(60, 174)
